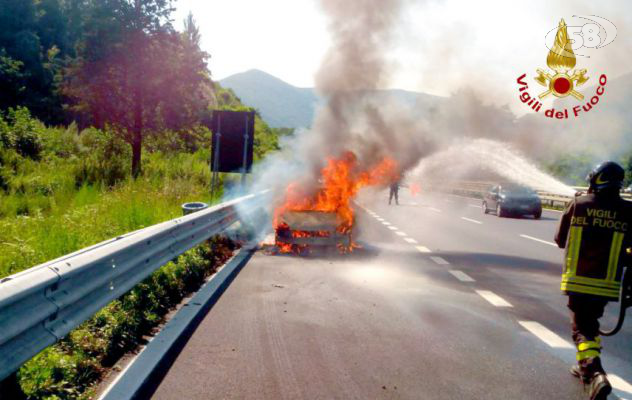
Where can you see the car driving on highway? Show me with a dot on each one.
(511, 199)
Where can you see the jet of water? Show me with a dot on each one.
(467, 156)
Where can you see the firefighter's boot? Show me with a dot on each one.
(599, 387)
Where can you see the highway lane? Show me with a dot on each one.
(519, 268)
(471, 318)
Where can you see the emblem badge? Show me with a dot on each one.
(561, 60)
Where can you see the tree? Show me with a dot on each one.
(136, 74)
(34, 39)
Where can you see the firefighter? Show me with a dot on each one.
(594, 230)
(394, 192)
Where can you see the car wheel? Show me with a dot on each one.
(485, 209)
(499, 211)
(538, 214)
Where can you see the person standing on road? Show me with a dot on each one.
(394, 192)
(594, 230)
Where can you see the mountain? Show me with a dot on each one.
(284, 105)
(280, 104)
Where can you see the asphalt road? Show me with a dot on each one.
(442, 302)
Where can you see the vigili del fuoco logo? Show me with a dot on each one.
(562, 80)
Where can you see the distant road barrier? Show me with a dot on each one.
(43, 304)
(476, 189)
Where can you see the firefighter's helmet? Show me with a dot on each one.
(606, 175)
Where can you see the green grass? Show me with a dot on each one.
(49, 226)
(46, 215)
(62, 190)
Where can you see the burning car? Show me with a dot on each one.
(324, 216)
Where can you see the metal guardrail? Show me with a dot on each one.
(43, 304)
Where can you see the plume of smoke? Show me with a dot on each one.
(356, 117)
(354, 68)
(352, 117)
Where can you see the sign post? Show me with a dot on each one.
(244, 165)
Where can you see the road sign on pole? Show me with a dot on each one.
(233, 140)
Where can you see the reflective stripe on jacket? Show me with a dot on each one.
(594, 231)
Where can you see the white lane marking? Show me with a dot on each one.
(474, 205)
(493, 298)
(434, 209)
(423, 249)
(547, 336)
(400, 233)
(410, 240)
(391, 227)
(439, 260)
(380, 219)
(414, 203)
(619, 383)
(538, 240)
(471, 220)
(462, 276)
(376, 216)
(385, 223)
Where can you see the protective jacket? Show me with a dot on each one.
(594, 230)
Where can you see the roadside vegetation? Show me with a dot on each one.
(101, 110)
(62, 189)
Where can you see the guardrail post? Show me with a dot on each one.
(10, 388)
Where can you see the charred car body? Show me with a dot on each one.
(298, 231)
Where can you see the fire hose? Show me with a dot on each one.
(625, 298)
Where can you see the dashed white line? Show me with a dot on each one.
(439, 260)
(619, 383)
(493, 298)
(462, 276)
(400, 233)
(410, 240)
(434, 209)
(423, 249)
(391, 227)
(471, 220)
(544, 334)
(386, 223)
(538, 240)
(380, 219)
(474, 205)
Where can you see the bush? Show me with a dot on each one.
(61, 142)
(7, 138)
(27, 132)
(103, 158)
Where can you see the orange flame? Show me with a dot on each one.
(340, 184)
